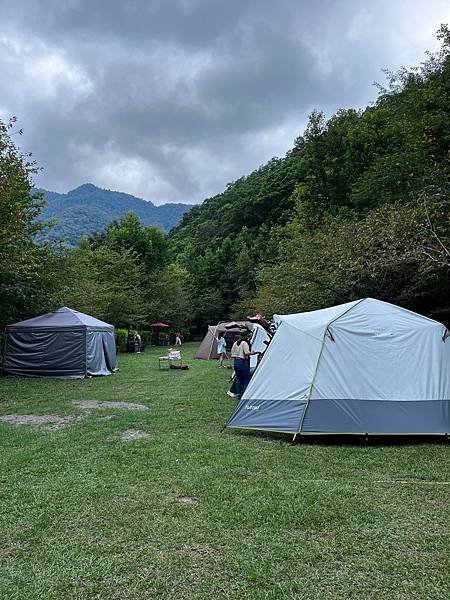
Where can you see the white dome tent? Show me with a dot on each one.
(365, 367)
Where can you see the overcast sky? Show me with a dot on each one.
(170, 100)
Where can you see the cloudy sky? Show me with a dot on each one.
(170, 100)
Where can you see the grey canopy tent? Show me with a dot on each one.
(65, 344)
(365, 367)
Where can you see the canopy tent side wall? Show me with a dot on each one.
(99, 357)
(258, 343)
(64, 344)
(43, 353)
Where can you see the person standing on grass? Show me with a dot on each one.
(221, 349)
(177, 338)
(240, 353)
(138, 342)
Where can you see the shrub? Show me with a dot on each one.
(185, 334)
(146, 337)
(121, 340)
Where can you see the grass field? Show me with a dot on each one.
(190, 512)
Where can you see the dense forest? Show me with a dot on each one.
(360, 206)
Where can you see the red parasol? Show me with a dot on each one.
(159, 325)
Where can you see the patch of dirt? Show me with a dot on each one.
(187, 499)
(107, 404)
(266, 440)
(134, 434)
(200, 551)
(45, 421)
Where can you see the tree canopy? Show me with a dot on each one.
(358, 207)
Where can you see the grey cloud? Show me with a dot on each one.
(172, 100)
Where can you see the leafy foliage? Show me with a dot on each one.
(359, 207)
(122, 276)
(104, 282)
(25, 267)
(148, 243)
(121, 336)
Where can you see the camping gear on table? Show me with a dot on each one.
(66, 344)
(365, 367)
(170, 357)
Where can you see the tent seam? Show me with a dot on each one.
(313, 380)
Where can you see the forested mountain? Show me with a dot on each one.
(359, 207)
(88, 209)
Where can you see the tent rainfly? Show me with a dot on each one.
(208, 348)
(365, 367)
(65, 343)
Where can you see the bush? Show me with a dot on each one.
(121, 340)
(2, 347)
(185, 334)
(146, 337)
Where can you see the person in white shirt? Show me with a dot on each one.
(221, 348)
(240, 353)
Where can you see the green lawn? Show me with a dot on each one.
(85, 515)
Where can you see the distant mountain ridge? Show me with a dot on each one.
(88, 209)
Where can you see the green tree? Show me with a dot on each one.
(149, 244)
(23, 264)
(106, 282)
(169, 297)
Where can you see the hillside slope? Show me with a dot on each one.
(88, 209)
(359, 207)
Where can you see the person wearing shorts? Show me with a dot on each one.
(221, 349)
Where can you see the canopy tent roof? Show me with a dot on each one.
(62, 318)
(362, 367)
(159, 325)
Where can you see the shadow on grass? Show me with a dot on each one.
(343, 440)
